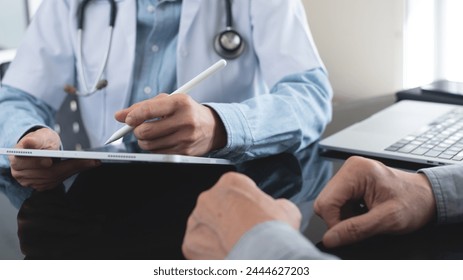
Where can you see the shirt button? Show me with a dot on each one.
(147, 90)
(154, 48)
(150, 8)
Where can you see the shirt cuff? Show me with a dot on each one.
(447, 186)
(239, 136)
(275, 240)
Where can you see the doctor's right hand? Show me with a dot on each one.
(41, 173)
(183, 126)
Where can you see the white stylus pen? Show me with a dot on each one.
(183, 89)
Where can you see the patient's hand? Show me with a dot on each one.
(398, 201)
(224, 213)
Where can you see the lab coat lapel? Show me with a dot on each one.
(127, 26)
(127, 10)
(189, 12)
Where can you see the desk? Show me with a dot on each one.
(145, 219)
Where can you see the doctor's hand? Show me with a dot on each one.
(41, 173)
(225, 212)
(183, 126)
(397, 202)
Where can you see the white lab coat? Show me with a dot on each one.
(276, 33)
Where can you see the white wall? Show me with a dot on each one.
(361, 43)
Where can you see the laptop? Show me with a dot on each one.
(116, 153)
(411, 131)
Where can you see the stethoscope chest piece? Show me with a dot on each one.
(229, 44)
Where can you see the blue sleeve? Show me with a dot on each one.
(19, 113)
(292, 116)
(275, 240)
(447, 186)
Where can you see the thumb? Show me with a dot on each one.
(121, 115)
(354, 229)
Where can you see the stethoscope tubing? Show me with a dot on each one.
(80, 66)
(101, 83)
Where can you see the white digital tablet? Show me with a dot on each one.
(125, 152)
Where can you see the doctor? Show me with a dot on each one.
(273, 96)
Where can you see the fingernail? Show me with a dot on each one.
(331, 239)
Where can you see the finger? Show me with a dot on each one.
(122, 114)
(36, 180)
(175, 143)
(357, 228)
(328, 207)
(20, 163)
(30, 143)
(59, 172)
(156, 129)
(49, 177)
(340, 191)
(67, 168)
(44, 187)
(43, 138)
(156, 107)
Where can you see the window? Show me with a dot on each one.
(433, 42)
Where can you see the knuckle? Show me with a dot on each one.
(317, 206)
(183, 100)
(142, 131)
(203, 197)
(322, 205)
(353, 231)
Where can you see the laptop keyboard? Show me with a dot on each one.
(443, 138)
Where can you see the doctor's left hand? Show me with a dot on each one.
(42, 173)
(183, 126)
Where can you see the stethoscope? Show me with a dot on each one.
(229, 44)
(99, 83)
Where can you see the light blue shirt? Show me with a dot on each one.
(155, 59)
